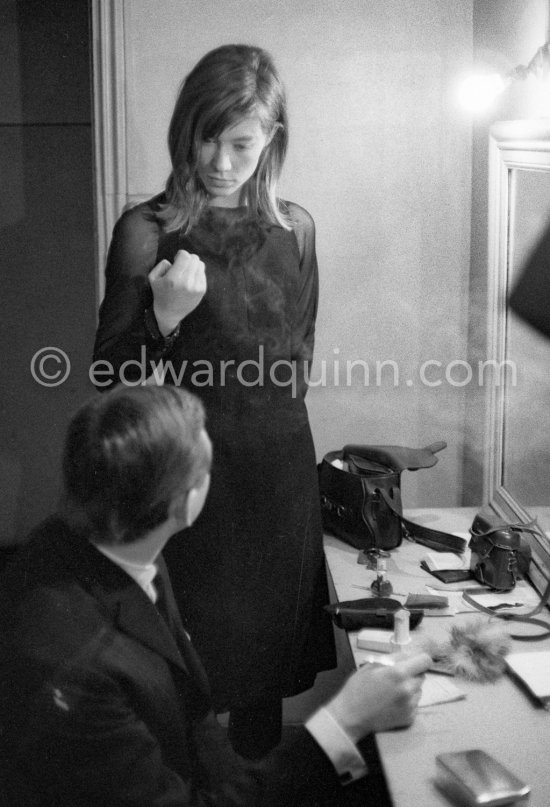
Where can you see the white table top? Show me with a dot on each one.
(499, 717)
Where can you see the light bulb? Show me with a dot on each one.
(478, 92)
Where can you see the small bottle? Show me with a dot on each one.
(401, 631)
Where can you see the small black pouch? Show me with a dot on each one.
(370, 612)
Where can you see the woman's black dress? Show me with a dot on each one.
(249, 575)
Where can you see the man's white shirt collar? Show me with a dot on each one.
(142, 573)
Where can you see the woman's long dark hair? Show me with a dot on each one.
(227, 84)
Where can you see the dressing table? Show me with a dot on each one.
(501, 717)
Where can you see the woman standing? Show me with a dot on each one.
(217, 278)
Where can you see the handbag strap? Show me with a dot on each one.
(529, 526)
(434, 539)
(528, 617)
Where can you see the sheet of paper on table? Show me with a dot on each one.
(533, 668)
(439, 689)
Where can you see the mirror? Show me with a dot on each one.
(518, 434)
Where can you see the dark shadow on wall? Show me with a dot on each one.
(47, 256)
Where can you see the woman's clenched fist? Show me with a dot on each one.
(178, 288)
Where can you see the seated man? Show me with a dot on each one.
(103, 700)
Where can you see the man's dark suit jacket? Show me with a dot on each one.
(102, 704)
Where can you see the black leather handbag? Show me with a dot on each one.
(500, 552)
(500, 556)
(360, 488)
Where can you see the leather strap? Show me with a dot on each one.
(434, 539)
(529, 526)
(528, 617)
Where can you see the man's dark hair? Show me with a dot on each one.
(127, 453)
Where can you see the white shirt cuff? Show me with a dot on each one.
(337, 745)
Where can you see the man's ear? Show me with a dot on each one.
(194, 505)
(187, 507)
(178, 509)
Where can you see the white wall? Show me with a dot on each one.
(380, 155)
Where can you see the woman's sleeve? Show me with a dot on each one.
(128, 344)
(303, 331)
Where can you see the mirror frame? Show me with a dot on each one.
(523, 144)
(109, 125)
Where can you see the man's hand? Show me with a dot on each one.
(177, 289)
(380, 698)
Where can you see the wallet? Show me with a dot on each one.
(448, 575)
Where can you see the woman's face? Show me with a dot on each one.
(228, 161)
